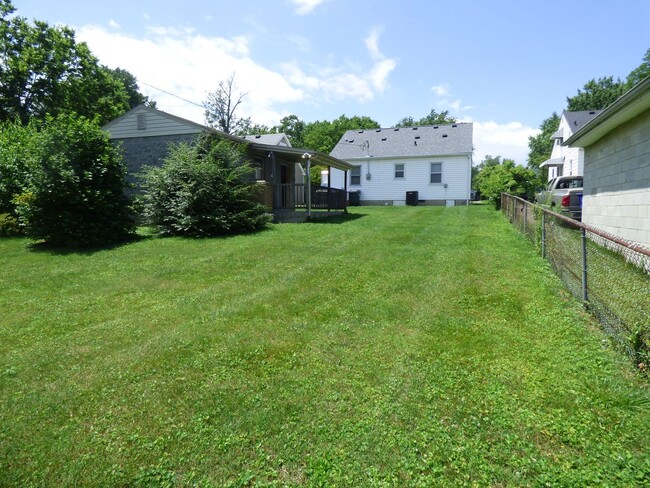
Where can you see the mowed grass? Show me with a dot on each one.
(414, 346)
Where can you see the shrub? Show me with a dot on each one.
(16, 142)
(507, 178)
(76, 182)
(203, 189)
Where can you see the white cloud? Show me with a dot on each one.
(303, 7)
(175, 60)
(441, 90)
(178, 60)
(383, 66)
(114, 24)
(509, 140)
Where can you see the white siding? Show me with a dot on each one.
(383, 186)
(617, 182)
(155, 123)
(573, 156)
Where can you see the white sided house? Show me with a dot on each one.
(425, 165)
(616, 192)
(568, 161)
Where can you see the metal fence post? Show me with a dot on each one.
(525, 216)
(543, 234)
(585, 296)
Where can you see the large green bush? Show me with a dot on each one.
(74, 191)
(204, 189)
(507, 178)
(15, 144)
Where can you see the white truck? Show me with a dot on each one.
(563, 195)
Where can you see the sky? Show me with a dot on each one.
(503, 65)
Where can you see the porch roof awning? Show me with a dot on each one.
(317, 157)
(552, 162)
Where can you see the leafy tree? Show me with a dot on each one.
(541, 145)
(497, 177)
(596, 94)
(202, 190)
(433, 118)
(251, 129)
(130, 83)
(294, 128)
(15, 142)
(74, 192)
(324, 135)
(640, 73)
(43, 70)
(221, 108)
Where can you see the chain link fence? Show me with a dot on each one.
(609, 275)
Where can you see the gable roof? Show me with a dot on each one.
(269, 139)
(180, 124)
(631, 104)
(426, 140)
(577, 120)
(189, 127)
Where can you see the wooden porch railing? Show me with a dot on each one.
(294, 195)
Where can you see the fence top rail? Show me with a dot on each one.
(605, 235)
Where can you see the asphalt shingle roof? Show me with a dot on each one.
(426, 140)
(268, 139)
(577, 120)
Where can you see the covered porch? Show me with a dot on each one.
(285, 174)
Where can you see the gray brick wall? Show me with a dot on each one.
(147, 151)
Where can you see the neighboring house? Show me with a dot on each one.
(617, 166)
(432, 164)
(145, 135)
(568, 161)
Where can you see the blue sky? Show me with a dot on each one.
(504, 65)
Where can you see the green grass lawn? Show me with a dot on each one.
(415, 346)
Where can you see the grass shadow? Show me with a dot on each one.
(58, 250)
(338, 219)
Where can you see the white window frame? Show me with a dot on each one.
(352, 176)
(402, 170)
(431, 173)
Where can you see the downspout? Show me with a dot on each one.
(469, 184)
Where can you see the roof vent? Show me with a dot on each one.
(142, 124)
(435, 126)
(258, 136)
(415, 128)
(360, 132)
(415, 143)
(444, 135)
(351, 141)
(396, 129)
(377, 130)
(592, 112)
(417, 137)
(454, 125)
(383, 138)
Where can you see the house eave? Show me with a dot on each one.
(630, 105)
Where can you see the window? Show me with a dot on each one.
(259, 169)
(355, 175)
(399, 171)
(436, 172)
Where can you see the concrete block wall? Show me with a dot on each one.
(617, 181)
